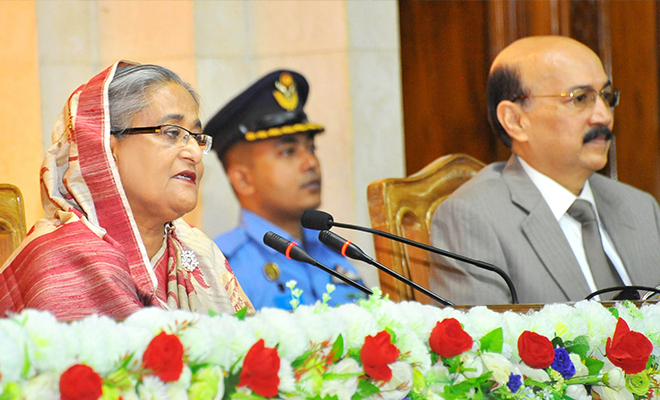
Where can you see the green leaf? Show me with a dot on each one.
(579, 346)
(318, 397)
(460, 390)
(614, 312)
(392, 334)
(337, 348)
(301, 359)
(493, 341)
(365, 389)
(452, 363)
(213, 313)
(231, 381)
(594, 366)
(557, 342)
(240, 314)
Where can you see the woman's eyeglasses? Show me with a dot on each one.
(585, 98)
(174, 135)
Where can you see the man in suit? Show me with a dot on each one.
(551, 102)
(266, 146)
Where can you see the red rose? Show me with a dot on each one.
(535, 350)
(164, 357)
(628, 350)
(80, 382)
(448, 338)
(260, 370)
(376, 353)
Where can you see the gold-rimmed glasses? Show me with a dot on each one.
(174, 135)
(584, 98)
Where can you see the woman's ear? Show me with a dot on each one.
(114, 144)
(513, 119)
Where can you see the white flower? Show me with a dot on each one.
(54, 344)
(480, 321)
(103, 342)
(287, 379)
(152, 388)
(359, 324)
(651, 317)
(13, 348)
(316, 325)
(580, 368)
(610, 394)
(231, 340)
(615, 378)
(472, 366)
(343, 388)
(538, 375)
(567, 323)
(400, 384)
(600, 323)
(499, 365)
(179, 389)
(577, 392)
(278, 327)
(45, 386)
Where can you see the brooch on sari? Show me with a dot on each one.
(188, 258)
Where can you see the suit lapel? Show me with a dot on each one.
(544, 233)
(616, 218)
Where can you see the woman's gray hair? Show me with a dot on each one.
(129, 90)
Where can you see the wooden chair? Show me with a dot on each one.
(405, 207)
(12, 220)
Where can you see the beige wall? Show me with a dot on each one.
(348, 50)
(20, 145)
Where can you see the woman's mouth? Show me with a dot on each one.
(187, 176)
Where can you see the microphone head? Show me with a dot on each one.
(317, 220)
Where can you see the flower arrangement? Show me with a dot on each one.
(375, 349)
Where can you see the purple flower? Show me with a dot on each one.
(515, 382)
(563, 364)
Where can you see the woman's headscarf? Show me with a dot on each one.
(87, 256)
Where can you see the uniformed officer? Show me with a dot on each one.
(266, 146)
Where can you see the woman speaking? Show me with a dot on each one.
(124, 167)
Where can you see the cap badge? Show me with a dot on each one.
(272, 271)
(286, 94)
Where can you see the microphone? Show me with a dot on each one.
(292, 251)
(347, 249)
(626, 292)
(320, 220)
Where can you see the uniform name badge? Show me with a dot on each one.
(272, 271)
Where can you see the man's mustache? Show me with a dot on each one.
(597, 132)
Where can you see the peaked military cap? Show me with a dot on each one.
(270, 107)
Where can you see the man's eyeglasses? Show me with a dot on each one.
(585, 98)
(174, 135)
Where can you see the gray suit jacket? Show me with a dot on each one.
(500, 217)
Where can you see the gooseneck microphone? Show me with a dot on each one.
(292, 251)
(626, 292)
(320, 220)
(347, 249)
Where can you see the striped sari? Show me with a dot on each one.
(87, 256)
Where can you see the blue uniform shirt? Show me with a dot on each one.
(263, 272)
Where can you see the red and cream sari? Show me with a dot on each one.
(87, 256)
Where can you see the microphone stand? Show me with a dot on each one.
(327, 238)
(482, 264)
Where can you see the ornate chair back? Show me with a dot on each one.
(12, 220)
(404, 207)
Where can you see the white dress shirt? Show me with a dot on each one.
(559, 200)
